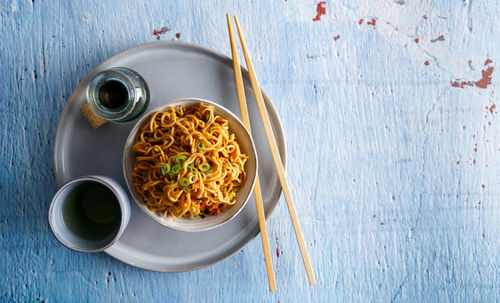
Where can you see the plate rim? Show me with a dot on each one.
(214, 53)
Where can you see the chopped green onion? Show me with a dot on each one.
(179, 159)
(172, 182)
(165, 169)
(186, 190)
(208, 116)
(184, 182)
(204, 166)
(193, 179)
(195, 218)
(177, 168)
(191, 167)
(200, 145)
(209, 171)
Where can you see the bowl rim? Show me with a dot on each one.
(136, 128)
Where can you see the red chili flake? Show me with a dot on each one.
(458, 162)
(441, 17)
(277, 248)
(361, 21)
(320, 10)
(426, 62)
(416, 40)
(374, 216)
(440, 38)
(394, 220)
(336, 37)
(481, 83)
(372, 23)
(475, 149)
(381, 223)
(178, 35)
(483, 186)
(425, 17)
(479, 202)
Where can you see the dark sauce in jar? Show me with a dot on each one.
(113, 94)
(118, 95)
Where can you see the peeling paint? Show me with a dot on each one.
(440, 38)
(314, 56)
(320, 10)
(372, 23)
(277, 248)
(484, 82)
(160, 32)
(491, 109)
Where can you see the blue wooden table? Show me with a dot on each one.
(389, 112)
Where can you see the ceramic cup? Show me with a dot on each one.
(90, 213)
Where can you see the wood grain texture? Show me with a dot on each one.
(394, 171)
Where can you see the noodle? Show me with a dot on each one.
(187, 162)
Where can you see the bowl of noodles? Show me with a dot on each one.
(190, 164)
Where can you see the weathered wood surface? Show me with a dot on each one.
(392, 135)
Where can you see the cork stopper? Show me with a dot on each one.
(92, 118)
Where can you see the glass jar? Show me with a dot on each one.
(118, 94)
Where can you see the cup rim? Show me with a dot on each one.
(94, 178)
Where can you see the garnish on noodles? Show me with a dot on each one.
(187, 162)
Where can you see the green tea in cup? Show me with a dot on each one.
(89, 213)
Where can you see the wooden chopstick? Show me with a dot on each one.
(276, 157)
(257, 191)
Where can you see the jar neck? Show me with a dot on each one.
(118, 94)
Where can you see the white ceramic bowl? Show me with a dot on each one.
(211, 221)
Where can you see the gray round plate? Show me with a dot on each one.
(172, 70)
